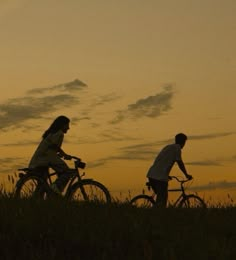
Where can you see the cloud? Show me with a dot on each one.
(210, 136)
(205, 163)
(18, 110)
(8, 160)
(115, 135)
(151, 145)
(152, 106)
(74, 85)
(15, 111)
(140, 155)
(20, 143)
(10, 163)
(97, 163)
(147, 146)
(214, 185)
(147, 151)
(75, 120)
(101, 100)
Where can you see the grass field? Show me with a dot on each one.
(62, 230)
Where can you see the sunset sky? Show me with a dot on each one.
(130, 75)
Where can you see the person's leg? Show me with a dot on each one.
(63, 178)
(163, 194)
(64, 173)
(42, 173)
(161, 190)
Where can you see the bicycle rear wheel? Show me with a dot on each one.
(192, 201)
(89, 190)
(30, 186)
(142, 201)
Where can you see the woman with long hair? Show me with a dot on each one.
(49, 153)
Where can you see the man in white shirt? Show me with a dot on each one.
(158, 173)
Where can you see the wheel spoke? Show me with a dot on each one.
(30, 187)
(192, 201)
(142, 201)
(92, 191)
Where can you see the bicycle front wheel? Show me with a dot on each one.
(142, 201)
(89, 190)
(30, 186)
(192, 201)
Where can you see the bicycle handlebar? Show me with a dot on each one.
(177, 179)
(75, 158)
(78, 162)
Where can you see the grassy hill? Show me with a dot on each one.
(61, 230)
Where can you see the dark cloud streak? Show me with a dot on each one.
(74, 85)
(152, 106)
(16, 111)
(148, 151)
(215, 185)
(210, 136)
(205, 163)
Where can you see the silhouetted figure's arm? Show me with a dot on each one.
(63, 154)
(60, 152)
(183, 169)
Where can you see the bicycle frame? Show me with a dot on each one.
(48, 180)
(181, 189)
(77, 175)
(38, 182)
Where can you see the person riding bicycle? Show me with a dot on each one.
(158, 174)
(49, 154)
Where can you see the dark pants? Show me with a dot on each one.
(161, 190)
(63, 178)
(63, 175)
(42, 173)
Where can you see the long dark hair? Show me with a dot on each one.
(57, 124)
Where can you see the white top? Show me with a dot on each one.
(46, 153)
(164, 162)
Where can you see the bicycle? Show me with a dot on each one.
(32, 185)
(183, 201)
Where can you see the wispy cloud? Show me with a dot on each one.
(20, 143)
(147, 151)
(138, 155)
(18, 110)
(151, 145)
(10, 163)
(210, 136)
(116, 135)
(75, 120)
(205, 163)
(214, 185)
(152, 106)
(103, 99)
(74, 85)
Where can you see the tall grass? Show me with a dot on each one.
(56, 229)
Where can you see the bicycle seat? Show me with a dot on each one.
(24, 169)
(148, 185)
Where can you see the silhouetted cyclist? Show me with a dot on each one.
(49, 154)
(158, 173)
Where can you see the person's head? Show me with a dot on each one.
(60, 123)
(181, 139)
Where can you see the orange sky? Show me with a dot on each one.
(130, 75)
